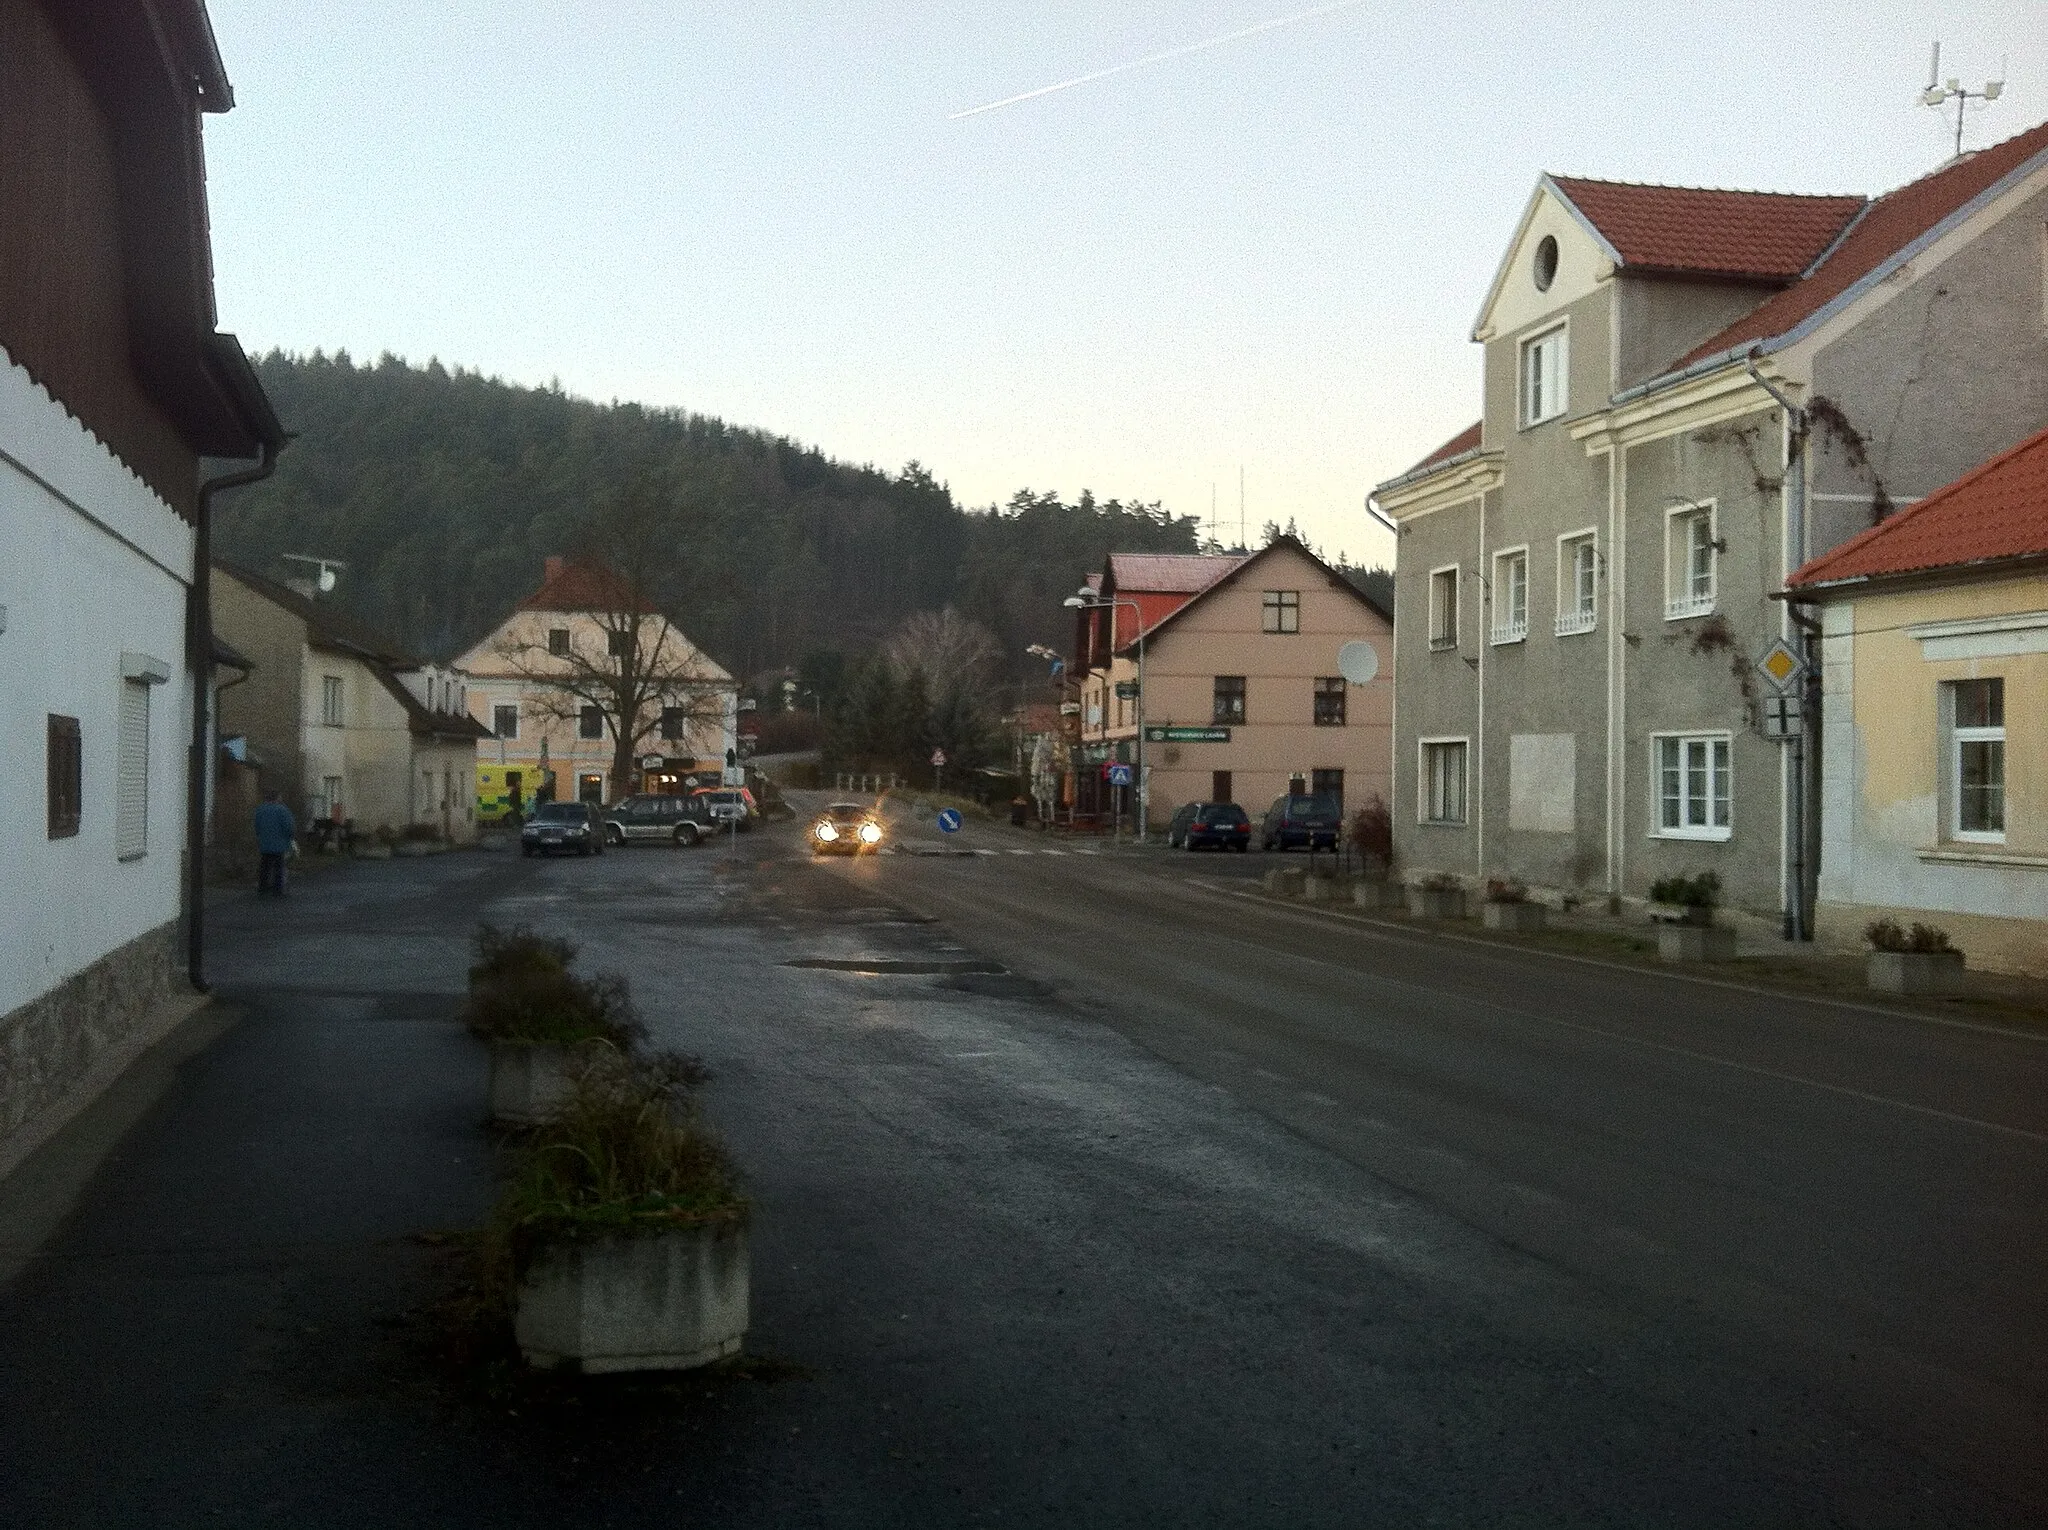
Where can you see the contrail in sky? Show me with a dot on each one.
(1157, 58)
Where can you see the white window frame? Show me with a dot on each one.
(1424, 785)
(1513, 627)
(333, 702)
(1720, 784)
(1682, 599)
(1953, 740)
(1578, 607)
(1441, 641)
(1533, 406)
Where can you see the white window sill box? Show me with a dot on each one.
(1695, 834)
(1442, 823)
(1576, 621)
(1691, 606)
(1443, 645)
(1986, 855)
(1514, 632)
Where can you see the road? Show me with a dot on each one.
(1089, 1191)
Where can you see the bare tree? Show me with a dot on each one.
(955, 653)
(628, 660)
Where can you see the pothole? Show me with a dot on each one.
(877, 967)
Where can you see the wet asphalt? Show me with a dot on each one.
(1020, 1255)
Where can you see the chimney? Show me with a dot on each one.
(554, 569)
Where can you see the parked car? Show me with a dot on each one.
(1224, 825)
(561, 828)
(1309, 822)
(657, 819)
(846, 828)
(728, 803)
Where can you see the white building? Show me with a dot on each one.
(113, 385)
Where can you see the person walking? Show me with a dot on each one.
(276, 833)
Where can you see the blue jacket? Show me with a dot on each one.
(275, 828)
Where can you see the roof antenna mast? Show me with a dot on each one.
(1939, 92)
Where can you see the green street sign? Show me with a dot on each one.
(1173, 735)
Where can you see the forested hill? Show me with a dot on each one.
(444, 491)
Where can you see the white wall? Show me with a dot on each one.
(95, 565)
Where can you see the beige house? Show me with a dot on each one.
(341, 720)
(1935, 716)
(542, 687)
(1242, 694)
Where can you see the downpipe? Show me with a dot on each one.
(199, 662)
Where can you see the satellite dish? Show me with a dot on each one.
(326, 580)
(1358, 662)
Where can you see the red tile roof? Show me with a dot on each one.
(1891, 223)
(572, 586)
(1464, 441)
(1168, 573)
(1992, 513)
(1770, 235)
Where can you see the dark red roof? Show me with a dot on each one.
(572, 586)
(1892, 222)
(1990, 514)
(1770, 235)
(1168, 573)
(1464, 441)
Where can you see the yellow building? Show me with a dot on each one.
(1934, 737)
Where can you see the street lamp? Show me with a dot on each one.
(1089, 599)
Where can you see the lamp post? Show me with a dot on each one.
(1087, 599)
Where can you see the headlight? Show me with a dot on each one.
(870, 833)
(827, 833)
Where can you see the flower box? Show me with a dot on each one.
(528, 1083)
(1325, 890)
(644, 1301)
(1518, 918)
(1379, 895)
(1287, 881)
(1682, 913)
(1695, 943)
(1915, 972)
(1436, 902)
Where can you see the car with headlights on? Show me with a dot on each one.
(846, 828)
(562, 828)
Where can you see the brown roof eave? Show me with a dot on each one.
(1909, 579)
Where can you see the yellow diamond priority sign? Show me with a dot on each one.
(1780, 664)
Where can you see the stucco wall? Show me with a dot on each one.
(1438, 695)
(1659, 319)
(268, 708)
(1886, 847)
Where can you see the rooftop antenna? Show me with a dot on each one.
(1243, 545)
(1939, 92)
(320, 578)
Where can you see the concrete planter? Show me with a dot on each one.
(1520, 918)
(1437, 902)
(1917, 972)
(663, 1301)
(1681, 913)
(1286, 881)
(1695, 943)
(1326, 890)
(1379, 895)
(527, 1081)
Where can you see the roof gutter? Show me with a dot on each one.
(199, 659)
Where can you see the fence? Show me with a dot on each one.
(872, 785)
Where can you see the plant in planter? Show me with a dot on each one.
(1686, 900)
(1508, 906)
(1372, 836)
(1437, 896)
(535, 1013)
(624, 1225)
(1919, 960)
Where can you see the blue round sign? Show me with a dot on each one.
(949, 820)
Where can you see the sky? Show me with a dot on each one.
(1256, 262)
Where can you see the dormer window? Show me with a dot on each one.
(1545, 266)
(1543, 377)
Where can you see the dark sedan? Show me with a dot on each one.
(562, 828)
(1223, 825)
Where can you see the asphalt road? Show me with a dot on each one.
(1086, 1194)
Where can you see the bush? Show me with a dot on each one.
(626, 1153)
(1506, 890)
(1372, 830)
(421, 834)
(1702, 891)
(521, 989)
(1921, 940)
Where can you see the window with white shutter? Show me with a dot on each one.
(131, 773)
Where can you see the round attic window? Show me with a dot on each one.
(1546, 263)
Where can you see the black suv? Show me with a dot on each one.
(1310, 822)
(1222, 824)
(656, 819)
